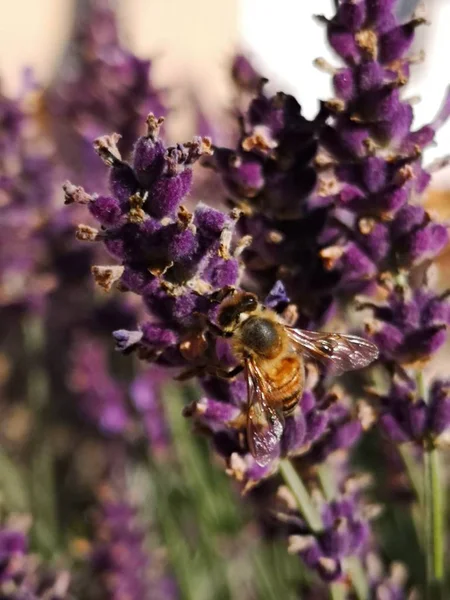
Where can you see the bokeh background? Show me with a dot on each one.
(71, 407)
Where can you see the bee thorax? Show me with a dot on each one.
(261, 336)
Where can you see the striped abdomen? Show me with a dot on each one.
(286, 380)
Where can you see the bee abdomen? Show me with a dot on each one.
(290, 402)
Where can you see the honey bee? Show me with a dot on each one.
(272, 355)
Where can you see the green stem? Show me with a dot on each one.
(434, 524)
(338, 591)
(42, 483)
(413, 470)
(327, 481)
(299, 491)
(433, 508)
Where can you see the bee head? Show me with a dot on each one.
(235, 309)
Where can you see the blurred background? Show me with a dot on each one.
(72, 410)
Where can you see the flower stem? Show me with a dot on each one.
(434, 524)
(299, 491)
(413, 470)
(433, 508)
(42, 483)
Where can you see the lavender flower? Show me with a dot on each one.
(336, 191)
(119, 558)
(21, 575)
(146, 395)
(345, 532)
(102, 86)
(99, 397)
(178, 261)
(26, 184)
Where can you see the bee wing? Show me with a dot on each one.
(264, 423)
(341, 352)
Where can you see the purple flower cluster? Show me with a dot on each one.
(99, 396)
(405, 416)
(21, 575)
(171, 257)
(102, 85)
(26, 189)
(104, 402)
(345, 532)
(120, 561)
(178, 262)
(329, 202)
(410, 325)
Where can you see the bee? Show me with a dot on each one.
(272, 356)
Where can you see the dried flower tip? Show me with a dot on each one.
(285, 495)
(329, 565)
(159, 271)
(225, 243)
(331, 255)
(290, 315)
(235, 214)
(323, 160)
(242, 245)
(153, 126)
(367, 41)
(366, 414)
(75, 194)
(185, 217)
(323, 65)
(371, 146)
(106, 148)
(274, 237)
(405, 174)
(199, 286)
(399, 573)
(260, 140)
(87, 234)
(200, 146)
(372, 511)
(136, 214)
(300, 543)
(366, 225)
(335, 105)
(357, 483)
(237, 467)
(105, 277)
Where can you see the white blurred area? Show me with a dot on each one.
(32, 34)
(283, 39)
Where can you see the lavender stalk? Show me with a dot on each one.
(44, 533)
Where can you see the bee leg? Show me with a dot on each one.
(216, 329)
(224, 374)
(198, 371)
(212, 326)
